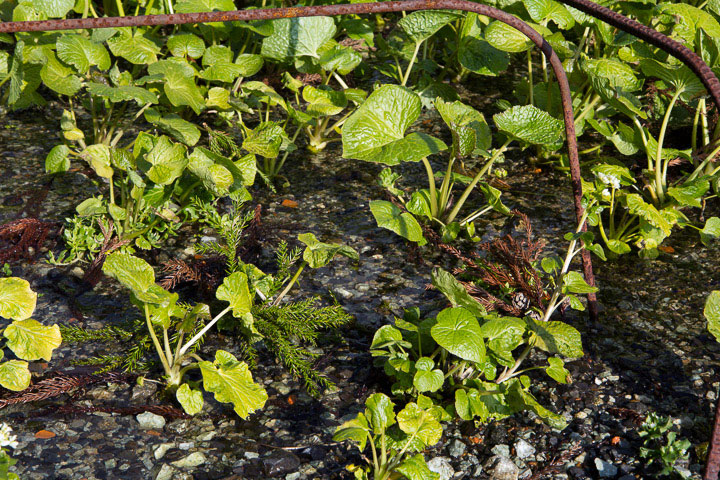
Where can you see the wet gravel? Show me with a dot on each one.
(649, 352)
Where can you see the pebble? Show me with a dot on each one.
(456, 448)
(502, 468)
(192, 460)
(280, 462)
(605, 469)
(523, 449)
(150, 421)
(502, 450)
(161, 450)
(441, 466)
(166, 473)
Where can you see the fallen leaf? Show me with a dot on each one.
(289, 203)
(291, 400)
(615, 440)
(43, 434)
(666, 249)
(154, 433)
(476, 440)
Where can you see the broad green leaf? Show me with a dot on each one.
(426, 378)
(98, 156)
(503, 335)
(421, 424)
(557, 337)
(31, 340)
(355, 430)
(318, 254)
(213, 170)
(57, 160)
(190, 400)
(573, 282)
(179, 85)
(82, 53)
(456, 293)
(134, 47)
(415, 468)
(235, 291)
(637, 206)
(123, 93)
(712, 313)
(165, 162)
(613, 175)
(530, 124)
(387, 336)
(182, 130)
(478, 56)
(711, 230)
(546, 10)
(379, 412)
(520, 399)
(225, 72)
(323, 101)
(193, 6)
(457, 330)
(17, 300)
(687, 19)
(618, 74)
(231, 381)
(617, 98)
(264, 140)
(690, 193)
(618, 246)
(679, 76)
(404, 224)
(340, 59)
(132, 272)
(58, 77)
(53, 8)
(504, 37)
(218, 97)
(249, 64)
(420, 26)
(556, 370)
(419, 204)
(375, 132)
(469, 129)
(14, 375)
(297, 37)
(186, 45)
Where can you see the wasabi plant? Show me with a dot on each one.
(396, 441)
(177, 331)
(26, 338)
(7, 439)
(661, 445)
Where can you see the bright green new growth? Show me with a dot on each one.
(227, 378)
(26, 338)
(394, 439)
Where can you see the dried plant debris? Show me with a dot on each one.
(23, 238)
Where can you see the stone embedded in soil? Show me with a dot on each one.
(161, 450)
(441, 466)
(166, 473)
(150, 421)
(456, 448)
(605, 469)
(523, 449)
(193, 460)
(502, 468)
(280, 462)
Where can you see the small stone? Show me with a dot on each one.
(280, 462)
(343, 292)
(441, 466)
(192, 460)
(456, 448)
(166, 473)
(186, 445)
(161, 450)
(292, 476)
(523, 449)
(150, 421)
(502, 450)
(605, 469)
(502, 468)
(251, 455)
(144, 391)
(110, 464)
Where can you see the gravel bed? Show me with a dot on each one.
(649, 352)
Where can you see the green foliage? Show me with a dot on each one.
(662, 446)
(25, 337)
(393, 439)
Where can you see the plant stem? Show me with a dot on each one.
(290, 284)
(506, 375)
(431, 186)
(412, 62)
(660, 180)
(531, 94)
(156, 342)
(469, 188)
(203, 331)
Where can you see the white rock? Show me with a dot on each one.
(605, 469)
(192, 460)
(523, 449)
(161, 450)
(441, 466)
(166, 473)
(150, 421)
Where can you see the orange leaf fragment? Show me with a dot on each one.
(43, 434)
(289, 203)
(476, 440)
(615, 440)
(154, 433)
(291, 400)
(666, 249)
